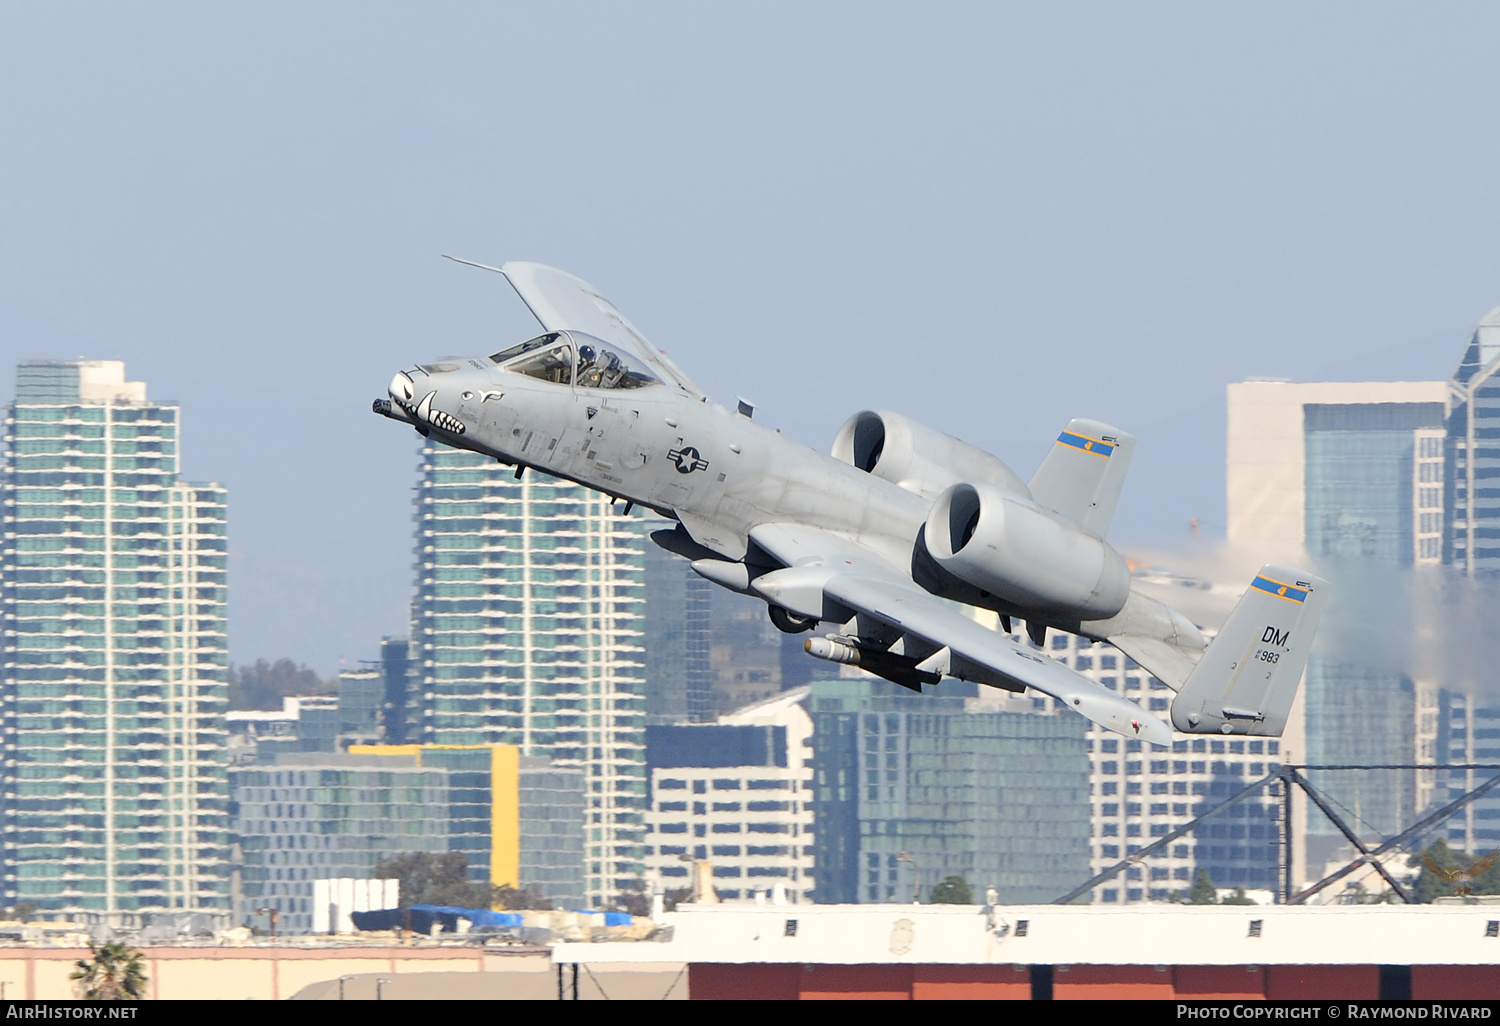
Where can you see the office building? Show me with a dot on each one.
(910, 789)
(1472, 447)
(1139, 793)
(519, 819)
(739, 794)
(361, 696)
(745, 651)
(315, 816)
(678, 671)
(552, 831)
(1467, 715)
(399, 709)
(115, 668)
(304, 723)
(527, 631)
(1345, 474)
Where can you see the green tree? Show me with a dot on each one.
(115, 973)
(1239, 897)
(634, 898)
(1204, 892)
(672, 897)
(517, 898)
(22, 911)
(954, 890)
(1430, 885)
(434, 878)
(263, 685)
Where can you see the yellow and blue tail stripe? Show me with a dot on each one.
(1290, 592)
(1096, 446)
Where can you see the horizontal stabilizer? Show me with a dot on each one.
(1082, 476)
(1165, 661)
(1246, 681)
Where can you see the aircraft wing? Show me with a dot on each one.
(562, 302)
(836, 578)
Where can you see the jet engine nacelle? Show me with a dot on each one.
(916, 457)
(1024, 555)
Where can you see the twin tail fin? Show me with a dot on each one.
(1247, 679)
(1082, 476)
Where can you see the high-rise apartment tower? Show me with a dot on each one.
(115, 660)
(527, 630)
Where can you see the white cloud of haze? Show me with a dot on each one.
(1425, 623)
(990, 217)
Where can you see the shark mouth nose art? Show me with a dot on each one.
(437, 418)
(403, 405)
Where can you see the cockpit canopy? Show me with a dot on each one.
(574, 358)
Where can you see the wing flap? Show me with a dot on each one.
(915, 612)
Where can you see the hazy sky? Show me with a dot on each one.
(992, 218)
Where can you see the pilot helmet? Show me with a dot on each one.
(585, 355)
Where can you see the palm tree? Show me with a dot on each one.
(114, 974)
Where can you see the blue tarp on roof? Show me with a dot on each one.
(420, 918)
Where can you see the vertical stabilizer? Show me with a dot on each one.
(1082, 476)
(1246, 681)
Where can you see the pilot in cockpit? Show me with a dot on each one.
(597, 368)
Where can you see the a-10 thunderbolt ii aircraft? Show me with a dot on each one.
(875, 545)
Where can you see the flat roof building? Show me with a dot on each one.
(738, 794)
(911, 789)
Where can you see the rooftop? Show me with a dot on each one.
(1066, 935)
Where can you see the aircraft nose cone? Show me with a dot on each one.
(401, 388)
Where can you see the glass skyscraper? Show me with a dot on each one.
(679, 672)
(1473, 445)
(1365, 471)
(1348, 476)
(939, 786)
(113, 615)
(1469, 721)
(323, 816)
(527, 630)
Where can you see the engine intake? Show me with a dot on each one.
(916, 457)
(1023, 555)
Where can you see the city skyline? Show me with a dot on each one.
(481, 534)
(916, 213)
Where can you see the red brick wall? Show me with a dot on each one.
(1120, 982)
(1455, 982)
(856, 983)
(749, 982)
(970, 983)
(1219, 982)
(1337, 982)
(1112, 982)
